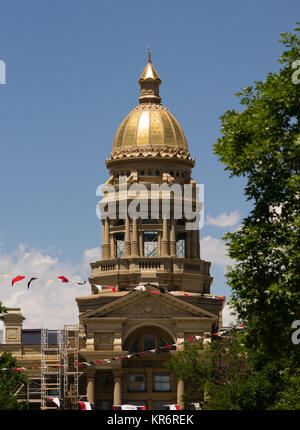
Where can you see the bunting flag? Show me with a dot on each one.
(49, 282)
(128, 408)
(63, 279)
(197, 406)
(86, 406)
(57, 401)
(172, 407)
(137, 354)
(17, 279)
(140, 288)
(60, 278)
(112, 288)
(32, 279)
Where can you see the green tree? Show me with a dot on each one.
(10, 381)
(2, 309)
(262, 144)
(227, 374)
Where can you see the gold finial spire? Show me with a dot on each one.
(149, 82)
(149, 55)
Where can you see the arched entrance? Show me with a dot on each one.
(146, 381)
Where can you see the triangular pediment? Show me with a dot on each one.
(149, 304)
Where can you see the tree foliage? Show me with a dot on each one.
(227, 377)
(260, 368)
(10, 382)
(262, 144)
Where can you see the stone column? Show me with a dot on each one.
(127, 244)
(117, 387)
(194, 244)
(180, 392)
(112, 246)
(165, 241)
(173, 239)
(90, 386)
(149, 379)
(198, 243)
(141, 244)
(134, 239)
(188, 244)
(105, 240)
(159, 244)
(13, 320)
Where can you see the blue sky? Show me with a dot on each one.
(72, 70)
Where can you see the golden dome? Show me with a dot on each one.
(149, 124)
(150, 129)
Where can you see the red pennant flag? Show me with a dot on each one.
(191, 338)
(155, 292)
(100, 362)
(186, 294)
(221, 298)
(112, 288)
(215, 334)
(79, 364)
(17, 279)
(63, 279)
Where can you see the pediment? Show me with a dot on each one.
(146, 304)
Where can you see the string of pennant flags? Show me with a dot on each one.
(63, 279)
(105, 361)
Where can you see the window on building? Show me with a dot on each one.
(162, 383)
(146, 342)
(149, 342)
(120, 245)
(150, 244)
(136, 383)
(180, 245)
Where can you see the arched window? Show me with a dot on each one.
(150, 244)
(180, 245)
(120, 245)
(146, 342)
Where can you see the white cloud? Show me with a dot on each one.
(214, 250)
(49, 306)
(224, 220)
(228, 319)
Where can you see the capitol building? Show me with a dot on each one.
(149, 293)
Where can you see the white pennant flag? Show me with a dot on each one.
(49, 282)
(140, 288)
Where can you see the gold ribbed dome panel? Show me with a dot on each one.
(149, 125)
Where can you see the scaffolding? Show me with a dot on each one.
(59, 370)
(51, 365)
(70, 360)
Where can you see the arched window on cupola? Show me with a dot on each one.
(119, 245)
(150, 244)
(180, 245)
